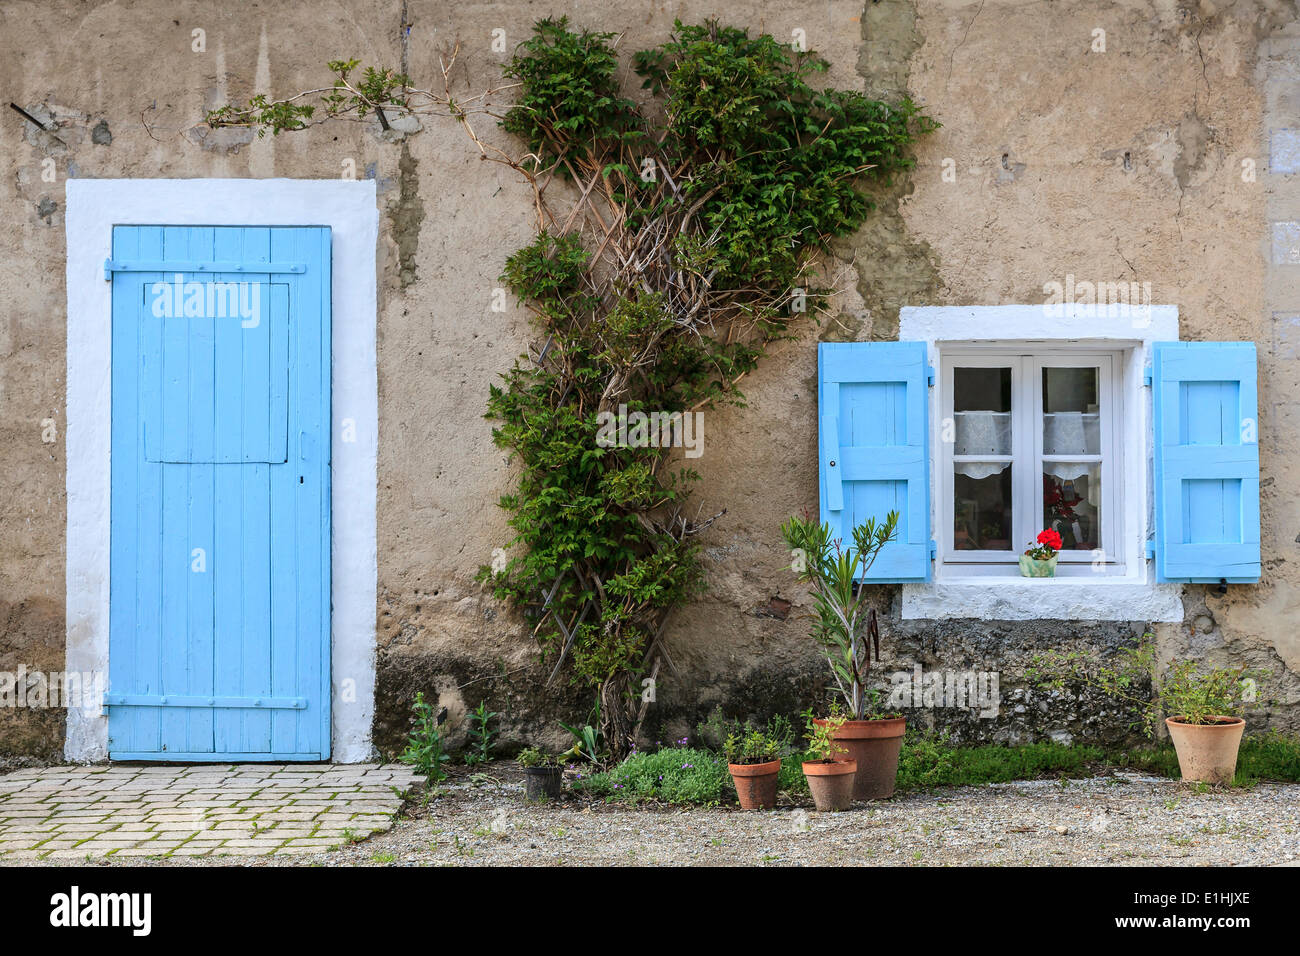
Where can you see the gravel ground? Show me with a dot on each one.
(1124, 819)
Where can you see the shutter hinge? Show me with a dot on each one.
(929, 375)
(108, 270)
(1146, 377)
(934, 549)
(1151, 549)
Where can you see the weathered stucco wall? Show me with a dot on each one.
(1118, 165)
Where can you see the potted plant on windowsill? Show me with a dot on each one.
(543, 774)
(847, 629)
(1039, 560)
(830, 775)
(1202, 709)
(754, 759)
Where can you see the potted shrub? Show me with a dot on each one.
(830, 776)
(1201, 708)
(1039, 559)
(1205, 721)
(543, 774)
(754, 759)
(847, 630)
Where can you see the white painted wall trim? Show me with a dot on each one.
(1132, 596)
(350, 210)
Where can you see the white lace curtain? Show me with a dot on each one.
(989, 433)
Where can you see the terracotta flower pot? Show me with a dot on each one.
(831, 783)
(873, 745)
(1207, 752)
(755, 783)
(1031, 568)
(543, 783)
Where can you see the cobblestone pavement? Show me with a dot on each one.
(195, 810)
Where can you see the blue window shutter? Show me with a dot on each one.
(874, 448)
(1206, 461)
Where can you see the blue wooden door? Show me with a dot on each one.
(219, 616)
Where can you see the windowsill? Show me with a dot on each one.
(1093, 597)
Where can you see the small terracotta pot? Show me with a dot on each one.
(874, 746)
(755, 783)
(831, 783)
(543, 783)
(1207, 752)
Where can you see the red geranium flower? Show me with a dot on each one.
(1050, 538)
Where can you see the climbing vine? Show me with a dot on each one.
(676, 240)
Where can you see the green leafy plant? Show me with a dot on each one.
(480, 735)
(843, 623)
(425, 749)
(714, 731)
(822, 745)
(1195, 696)
(750, 744)
(1185, 691)
(675, 775)
(586, 743)
(533, 757)
(690, 249)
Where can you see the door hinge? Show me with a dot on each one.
(929, 375)
(1146, 377)
(934, 549)
(1151, 549)
(204, 700)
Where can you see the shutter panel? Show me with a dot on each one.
(1206, 462)
(875, 450)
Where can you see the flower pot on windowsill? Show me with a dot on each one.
(756, 783)
(1207, 752)
(1035, 568)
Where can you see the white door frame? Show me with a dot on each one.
(349, 208)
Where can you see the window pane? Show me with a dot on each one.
(1072, 503)
(981, 403)
(1071, 423)
(982, 507)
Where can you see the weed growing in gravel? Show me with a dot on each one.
(425, 749)
(680, 775)
(480, 735)
(929, 760)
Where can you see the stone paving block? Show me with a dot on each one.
(100, 847)
(243, 851)
(18, 843)
(286, 816)
(178, 836)
(68, 854)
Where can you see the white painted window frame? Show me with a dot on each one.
(1027, 362)
(349, 208)
(1123, 590)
